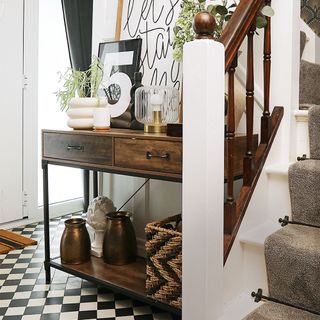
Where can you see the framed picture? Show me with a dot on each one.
(121, 60)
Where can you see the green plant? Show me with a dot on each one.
(183, 30)
(81, 83)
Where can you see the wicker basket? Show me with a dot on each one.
(164, 262)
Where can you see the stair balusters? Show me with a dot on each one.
(248, 163)
(265, 119)
(240, 26)
(230, 205)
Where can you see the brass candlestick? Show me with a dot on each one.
(157, 126)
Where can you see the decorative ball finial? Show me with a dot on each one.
(204, 25)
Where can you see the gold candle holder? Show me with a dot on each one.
(157, 126)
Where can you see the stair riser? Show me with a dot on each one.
(302, 135)
(255, 268)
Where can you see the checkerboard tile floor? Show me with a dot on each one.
(24, 294)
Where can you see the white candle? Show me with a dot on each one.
(101, 118)
(156, 102)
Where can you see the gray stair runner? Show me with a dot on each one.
(293, 266)
(293, 253)
(304, 186)
(276, 311)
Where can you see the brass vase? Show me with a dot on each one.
(119, 244)
(75, 245)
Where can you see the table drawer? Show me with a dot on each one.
(150, 155)
(79, 148)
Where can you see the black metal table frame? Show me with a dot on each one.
(48, 263)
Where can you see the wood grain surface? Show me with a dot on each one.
(80, 148)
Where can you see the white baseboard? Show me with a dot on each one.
(56, 210)
(61, 208)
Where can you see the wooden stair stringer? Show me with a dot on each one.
(246, 192)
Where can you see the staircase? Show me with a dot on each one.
(293, 253)
(224, 293)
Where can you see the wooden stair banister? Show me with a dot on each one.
(240, 26)
(265, 120)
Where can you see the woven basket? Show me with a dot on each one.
(164, 262)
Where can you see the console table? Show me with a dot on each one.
(126, 152)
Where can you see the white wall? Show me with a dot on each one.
(312, 50)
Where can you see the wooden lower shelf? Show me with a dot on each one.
(129, 279)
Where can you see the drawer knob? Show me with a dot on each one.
(165, 156)
(78, 148)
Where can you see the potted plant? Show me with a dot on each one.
(78, 94)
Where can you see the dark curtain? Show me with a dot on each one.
(77, 16)
(78, 24)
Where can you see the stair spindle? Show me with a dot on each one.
(248, 163)
(230, 205)
(265, 119)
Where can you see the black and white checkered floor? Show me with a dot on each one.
(24, 294)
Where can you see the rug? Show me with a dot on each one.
(12, 241)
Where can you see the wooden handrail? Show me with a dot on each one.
(238, 27)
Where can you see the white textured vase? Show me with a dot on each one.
(80, 112)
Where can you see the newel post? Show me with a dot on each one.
(203, 173)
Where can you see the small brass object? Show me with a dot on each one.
(75, 245)
(157, 126)
(119, 244)
(150, 128)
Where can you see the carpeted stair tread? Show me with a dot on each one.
(293, 266)
(314, 125)
(309, 77)
(304, 182)
(276, 311)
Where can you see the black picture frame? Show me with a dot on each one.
(129, 52)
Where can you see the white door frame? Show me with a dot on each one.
(30, 109)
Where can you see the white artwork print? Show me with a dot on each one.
(119, 78)
(115, 59)
(124, 82)
(153, 21)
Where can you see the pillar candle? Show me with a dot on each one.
(101, 118)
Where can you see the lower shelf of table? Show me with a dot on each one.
(129, 279)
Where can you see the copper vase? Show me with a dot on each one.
(75, 242)
(119, 244)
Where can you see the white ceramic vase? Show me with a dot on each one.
(80, 112)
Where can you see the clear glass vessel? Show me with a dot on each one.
(156, 106)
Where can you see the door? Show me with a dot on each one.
(11, 109)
